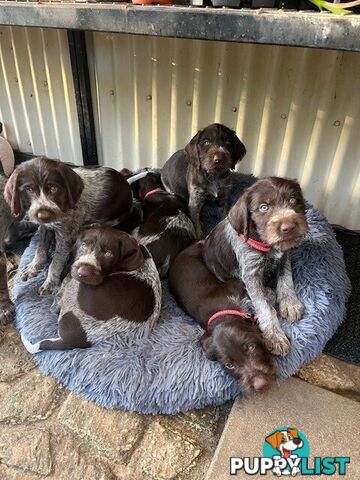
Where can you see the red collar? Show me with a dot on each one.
(237, 313)
(151, 192)
(261, 246)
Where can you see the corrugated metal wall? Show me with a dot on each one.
(37, 100)
(297, 110)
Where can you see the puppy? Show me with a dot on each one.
(225, 313)
(113, 288)
(166, 228)
(202, 169)
(252, 244)
(61, 199)
(7, 165)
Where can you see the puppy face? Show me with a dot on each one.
(215, 150)
(44, 189)
(242, 354)
(273, 208)
(100, 251)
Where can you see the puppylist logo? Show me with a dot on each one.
(286, 451)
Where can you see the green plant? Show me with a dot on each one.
(338, 8)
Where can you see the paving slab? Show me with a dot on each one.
(330, 422)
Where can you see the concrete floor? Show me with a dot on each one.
(329, 421)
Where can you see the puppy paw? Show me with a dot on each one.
(48, 287)
(290, 308)
(7, 312)
(29, 272)
(277, 344)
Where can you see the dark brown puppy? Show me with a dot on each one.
(113, 288)
(166, 228)
(252, 244)
(201, 170)
(61, 199)
(230, 339)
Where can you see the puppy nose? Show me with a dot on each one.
(218, 158)
(287, 227)
(44, 215)
(260, 383)
(83, 271)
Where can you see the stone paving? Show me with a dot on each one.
(48, 432)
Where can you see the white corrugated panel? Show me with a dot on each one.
(297, 110)
(37, 100)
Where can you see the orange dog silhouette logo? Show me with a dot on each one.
(285, 442)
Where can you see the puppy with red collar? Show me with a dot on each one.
(225, 313)
(166, 228)
(113, 288)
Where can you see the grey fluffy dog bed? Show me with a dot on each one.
(167, 372)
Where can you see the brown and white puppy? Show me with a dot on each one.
(166, 228)
(113, 288)
(60, 200)
(202, 169)
(252, 244)
(222, 308)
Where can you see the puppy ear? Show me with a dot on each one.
(131, 256)
(192, 150)
(125, 172)
(208, 345)
(12, 194)
(239, 149)
(273, 439)
(73, 183)
(293, 432)
(239, 215)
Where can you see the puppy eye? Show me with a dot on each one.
(29, 189)
(229, 366)
(83, 244)
(205, 142)
(53, 189)
(108, 253)
(292, 201)
(251, 347)
(264, 207)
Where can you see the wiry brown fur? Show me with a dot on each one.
(202, 169)
(166, 228)
(113, 288)
(61, 199)
(233, 341)
(282, 226)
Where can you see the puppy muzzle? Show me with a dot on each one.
(87, 273)
(286, 230)
(218, 162)
(45, 215)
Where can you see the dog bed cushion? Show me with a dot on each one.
(168, 372)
